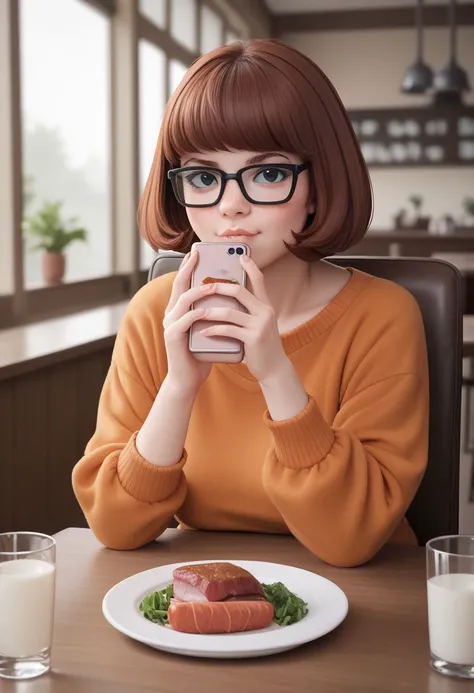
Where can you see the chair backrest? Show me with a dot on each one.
(437, 287)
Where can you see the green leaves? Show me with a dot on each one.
(155, 606)
(51, 230)
(288, 607)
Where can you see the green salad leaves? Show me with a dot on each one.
(154, 606)
(289, 608)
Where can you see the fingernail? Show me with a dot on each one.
(207, 288)
(245, 258)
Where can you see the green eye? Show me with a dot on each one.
(201, 179)
(271, 175)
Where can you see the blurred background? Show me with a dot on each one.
(83, 86)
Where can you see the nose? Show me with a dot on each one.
(233, 203)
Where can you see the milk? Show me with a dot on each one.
(26, 607)
(451, 617)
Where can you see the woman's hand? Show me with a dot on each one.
(185, 373)
(257, 329)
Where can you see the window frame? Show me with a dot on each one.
(128, 27)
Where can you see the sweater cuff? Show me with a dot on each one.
(302, 441)
(144, 481)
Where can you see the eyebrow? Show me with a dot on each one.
(257, 159)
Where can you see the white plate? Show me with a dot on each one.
(327, 608)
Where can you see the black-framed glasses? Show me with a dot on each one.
(260, 184)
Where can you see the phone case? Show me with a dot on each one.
(215, 264)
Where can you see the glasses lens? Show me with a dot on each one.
(268, 183)
(198, 186)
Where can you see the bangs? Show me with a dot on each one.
(235, 103)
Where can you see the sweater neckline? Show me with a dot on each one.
(307, 332)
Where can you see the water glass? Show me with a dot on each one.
(450, 572)
(27, 588)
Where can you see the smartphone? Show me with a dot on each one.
(217, 262)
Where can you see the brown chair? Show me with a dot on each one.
(437, 287)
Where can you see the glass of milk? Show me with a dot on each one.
(27, 585)
(450, 570)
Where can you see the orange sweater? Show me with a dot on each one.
(339, 476)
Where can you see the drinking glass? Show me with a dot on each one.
(450, 573)
(27, 588)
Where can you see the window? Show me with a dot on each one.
(81, 147)
(155, 11)
(152, 67)
(184, 23)
(211, 30)
(177, 72)
(66, 128)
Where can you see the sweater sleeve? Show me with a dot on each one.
(343, 487)
(126, 500)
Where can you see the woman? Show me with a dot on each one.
(323, 430)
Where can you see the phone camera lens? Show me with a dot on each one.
(231, 251)
(240, 251)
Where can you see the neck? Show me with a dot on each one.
(297, 288)
(288, 282)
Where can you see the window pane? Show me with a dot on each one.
(230, 37)
(65, 128)
(154, 10)
(211, 30)
(177, 72)
(152, 66)
(183, 22)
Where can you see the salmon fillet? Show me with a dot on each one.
(213, 582)
(219, 617)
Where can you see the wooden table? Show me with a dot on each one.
(382, 646)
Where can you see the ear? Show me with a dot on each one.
(311, 207)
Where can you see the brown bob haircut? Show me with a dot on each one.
(262, 96)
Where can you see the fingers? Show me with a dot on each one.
(237, 317)
(185, 301)
(182, 279)
(256, 278)
(248, 300)
(177, 328)
(225, 330)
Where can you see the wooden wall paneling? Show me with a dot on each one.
(47, 416)
(90, 373)
(31, 490)
(63, 445)
(6, 456)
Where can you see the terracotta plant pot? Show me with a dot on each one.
(422, 223)
(54, 265)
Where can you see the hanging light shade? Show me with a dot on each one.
(452, 78)
(419, 76)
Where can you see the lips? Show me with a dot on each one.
(233, 233)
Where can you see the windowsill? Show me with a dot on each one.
(29, 347)
(41, 285)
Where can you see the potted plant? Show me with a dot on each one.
(420, 222)
(54, 234)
